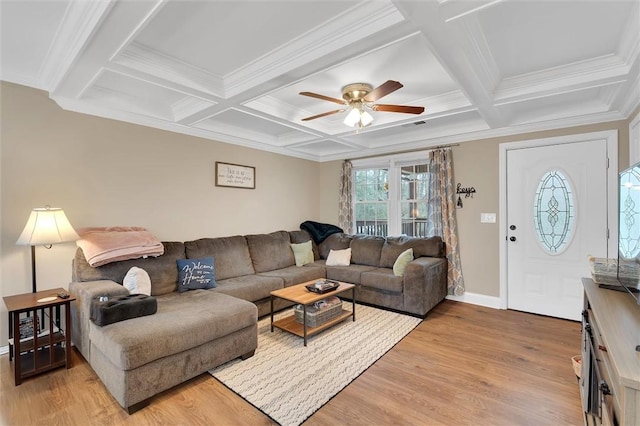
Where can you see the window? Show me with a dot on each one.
(391, 195)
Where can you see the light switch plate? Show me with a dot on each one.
(487, 218)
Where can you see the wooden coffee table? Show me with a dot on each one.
(300, 295)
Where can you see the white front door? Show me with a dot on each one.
(557, 212)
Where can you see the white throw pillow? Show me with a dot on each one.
(402, 261)
(339, 257)
(137, 281)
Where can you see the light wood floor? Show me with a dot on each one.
(463, 365)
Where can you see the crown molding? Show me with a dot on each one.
(602, 71)
(188, 106)
(480, 56)
(92, 108)
(629, 45)
(80, 21)
(149, 61)
(134, 105)
(420, 141)
(632, 99)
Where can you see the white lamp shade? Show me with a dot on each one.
(47, 226)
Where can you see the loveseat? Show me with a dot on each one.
(197, 330)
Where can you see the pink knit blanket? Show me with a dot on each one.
(111, 244)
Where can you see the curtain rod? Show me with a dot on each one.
(406, 152)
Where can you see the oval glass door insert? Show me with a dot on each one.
(629, 227)
(553, 213)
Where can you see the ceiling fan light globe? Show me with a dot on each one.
(352, 118)
(365, 118)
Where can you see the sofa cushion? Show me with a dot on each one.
(365, 250)
(402, 261)
(196, 273)
(294, 275)
(339, 257)
(249, 287)
(349, 274)
(183, 321)
(393, 246)
(270, 251)
(334, 242)
(137, 281)
(230, 254)
(303, 253)
(302, 236)
(382, 279)
(162, 269)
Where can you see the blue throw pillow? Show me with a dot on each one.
(196, 273)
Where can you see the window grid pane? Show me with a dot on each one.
(371, 201)
(414, 187)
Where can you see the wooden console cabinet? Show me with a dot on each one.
(610, 376)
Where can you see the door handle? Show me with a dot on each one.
(512, 239)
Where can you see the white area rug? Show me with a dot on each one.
(289, 382)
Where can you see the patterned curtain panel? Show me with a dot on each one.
(441, 214)
(345, 206)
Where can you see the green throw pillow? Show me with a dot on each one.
(303, 253)
(402, 261)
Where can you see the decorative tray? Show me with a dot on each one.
(323, 286)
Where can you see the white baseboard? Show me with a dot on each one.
(478, 299)
(4, 350)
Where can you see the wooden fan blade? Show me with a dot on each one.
(324, 114)
(323, 97)
(398, 108)
(383, 90)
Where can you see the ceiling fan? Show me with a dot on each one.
(359, 97)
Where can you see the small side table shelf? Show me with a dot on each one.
(47, 342)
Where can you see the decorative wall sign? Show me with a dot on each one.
(235, 176)
(468, 192)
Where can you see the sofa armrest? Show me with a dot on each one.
(84, 293)
(425, 284)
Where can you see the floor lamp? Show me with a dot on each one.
(45, 227)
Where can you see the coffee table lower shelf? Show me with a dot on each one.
(292, 326)
(300, 295)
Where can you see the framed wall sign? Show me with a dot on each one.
(235, 175)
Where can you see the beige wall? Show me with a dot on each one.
(476, 164)
(109, 173)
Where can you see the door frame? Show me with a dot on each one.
(611, 136)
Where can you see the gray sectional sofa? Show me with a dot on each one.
(195, 331)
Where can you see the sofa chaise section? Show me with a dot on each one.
(191, 332)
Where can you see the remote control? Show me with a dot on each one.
(63, 295)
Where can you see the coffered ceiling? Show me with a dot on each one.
(231, 71)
